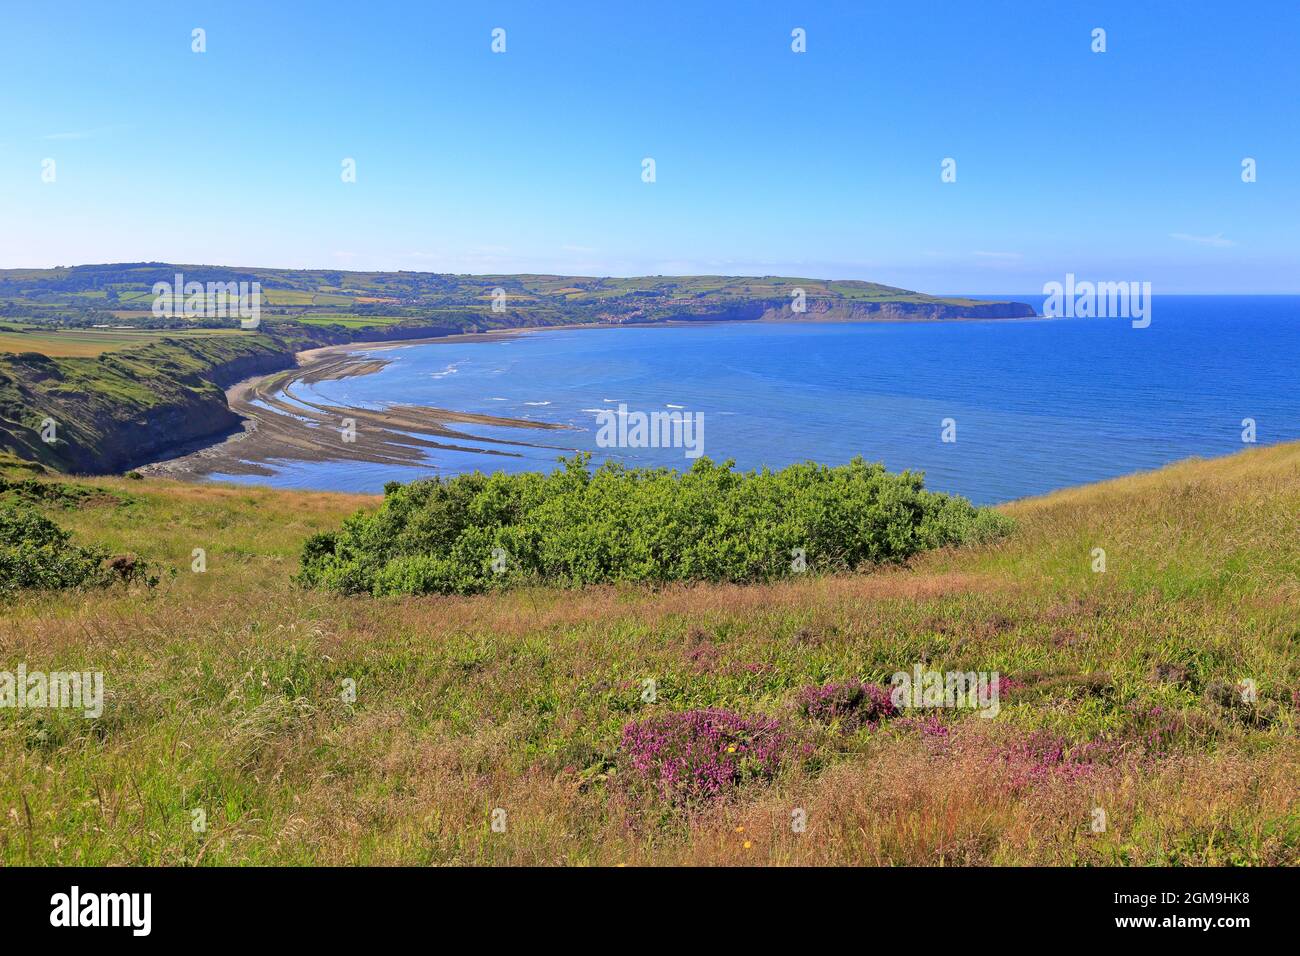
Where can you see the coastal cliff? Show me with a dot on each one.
(105, 414)
(122, 409)
(841, 310)
(850, 311)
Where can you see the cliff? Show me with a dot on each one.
(104, 414)
(822, 310)
(829, 310)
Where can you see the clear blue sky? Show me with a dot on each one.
(1122, 165)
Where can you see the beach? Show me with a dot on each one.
(279, 423)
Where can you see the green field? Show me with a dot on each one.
(123, 292)
(87, 343)
(347, 321)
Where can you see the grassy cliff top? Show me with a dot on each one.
(226, 691)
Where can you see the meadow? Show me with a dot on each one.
(249, 721)
(347, 321)
(88, 343)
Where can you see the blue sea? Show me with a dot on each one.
(1037, 404)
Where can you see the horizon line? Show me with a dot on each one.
(579, 275)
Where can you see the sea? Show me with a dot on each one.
(991, 410)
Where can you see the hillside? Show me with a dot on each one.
(138, 399)
(227, 693)
(122, 293)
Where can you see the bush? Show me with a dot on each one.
(699, 756)
(36, 554)
(852, 704)
(478, 532)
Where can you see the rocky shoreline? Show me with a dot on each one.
(279, 422)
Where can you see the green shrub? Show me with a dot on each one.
(576, 527)
(36, 554)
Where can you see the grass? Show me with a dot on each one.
(226, 693)
(88, 343)
(348, 321)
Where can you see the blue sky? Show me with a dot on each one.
(1119, 165)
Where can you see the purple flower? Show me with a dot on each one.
(697, 756)
(1042, 756)
(1007, 684)
(936, 735)
(853, 704)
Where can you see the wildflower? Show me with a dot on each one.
(933, 731)
(852, 704)
(702, 755)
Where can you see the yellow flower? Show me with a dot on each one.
(748, 844)
(740, 829)
(731, 749)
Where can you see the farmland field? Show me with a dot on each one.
(87, 343)
(348, 321)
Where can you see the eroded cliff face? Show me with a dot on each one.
(822, 310)
(122, 409)
(123, 444)
(835, 310)
(105, 414)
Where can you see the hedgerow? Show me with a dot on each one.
(576, 526)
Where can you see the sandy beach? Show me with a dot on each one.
(282, 424)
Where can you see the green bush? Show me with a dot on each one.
(576, 527)
(36, 554)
